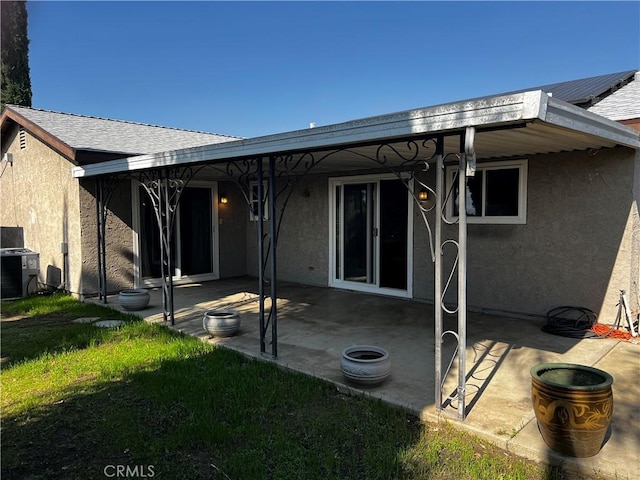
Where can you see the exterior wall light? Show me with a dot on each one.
(223, 199)
(423, 195)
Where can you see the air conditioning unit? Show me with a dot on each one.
(18, 268)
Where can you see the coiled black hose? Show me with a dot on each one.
(572, 322)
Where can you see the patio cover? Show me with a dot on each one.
(524, 123)
(503, 126)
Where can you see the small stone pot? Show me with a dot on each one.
(221, 323)
(573, 405)
(365, 365)
(134, 298)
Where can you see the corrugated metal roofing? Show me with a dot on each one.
(585, 92)
(100, 134)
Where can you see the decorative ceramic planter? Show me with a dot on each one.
(134, 298)
(573, 405)
(221, 323)
(365, 365)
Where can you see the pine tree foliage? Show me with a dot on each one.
(14, 44)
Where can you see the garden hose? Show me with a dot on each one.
(572, 322)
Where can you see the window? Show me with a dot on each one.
(253, 200)
(496, 194)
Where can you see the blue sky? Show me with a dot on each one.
(255, 68)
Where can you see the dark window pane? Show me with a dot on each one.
(502, 192)
(149, 238)
(355, 232)
(393, 234)
(196, 231)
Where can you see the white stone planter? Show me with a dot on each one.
(221, 323)
(365, 365)
(134, 298)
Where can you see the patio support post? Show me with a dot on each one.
(462, 285)
(101, 220)
(260, 229)
(467, 168)
(166, 239)
(164, 192)
(438, 273)
(104, 191)
(273, 237)
(157, 189)
(247, 172)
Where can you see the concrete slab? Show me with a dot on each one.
(315, 324)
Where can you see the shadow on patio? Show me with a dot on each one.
(315, 324)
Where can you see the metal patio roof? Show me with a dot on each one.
(510, 125)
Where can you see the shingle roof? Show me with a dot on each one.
(586, 92)
(624, 104)
(101, 134)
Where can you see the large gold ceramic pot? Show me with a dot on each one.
(573, 405)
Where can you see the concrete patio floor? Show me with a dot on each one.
(315, 324)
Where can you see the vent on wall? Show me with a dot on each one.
(23, 139)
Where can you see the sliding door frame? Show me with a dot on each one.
(373, 287)
(178, 278)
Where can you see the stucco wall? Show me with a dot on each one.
(118, 239)
(580, 245)
(304, 234)
(303, 251)
(232, 220)
(38, 194)
(576, 248)
(119, 236)
(634, 268)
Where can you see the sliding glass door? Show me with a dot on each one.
(194, 237)
(371, 234)
(356, 245)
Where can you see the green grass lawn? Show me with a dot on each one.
(79, 402)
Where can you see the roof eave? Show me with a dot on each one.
(9, 114)
(563, 114)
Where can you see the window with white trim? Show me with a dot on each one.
(496, 194)
(254, 199)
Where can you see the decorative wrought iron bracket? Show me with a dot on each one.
(164, 188)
